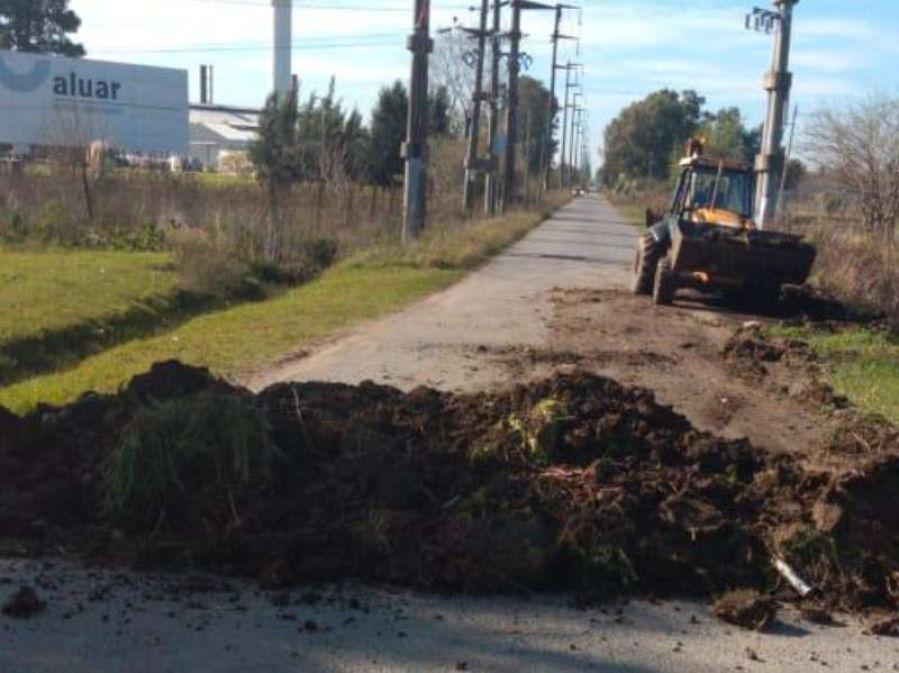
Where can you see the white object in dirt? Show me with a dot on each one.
(792, 577)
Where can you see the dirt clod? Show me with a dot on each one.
(746, 609)
(24, 604)
(885, 627)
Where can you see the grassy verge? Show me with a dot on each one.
(862, 364)
(247, 336)
(57, 306)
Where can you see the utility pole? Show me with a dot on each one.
(510, 195)
(569, 85)
(575, 112)
(576, 146)
(491, 188)
(472, 165)
(553, 107)
(415, 147)
(778, 82)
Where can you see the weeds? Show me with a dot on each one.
(172, 451)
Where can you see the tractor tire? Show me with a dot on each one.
(649, 252)
(665, 285)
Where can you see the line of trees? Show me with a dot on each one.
(647, 138)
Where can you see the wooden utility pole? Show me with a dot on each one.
(491, 195)
(472, 165)
(415, 148)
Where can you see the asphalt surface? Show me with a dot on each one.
(506, 303)
(98, 621)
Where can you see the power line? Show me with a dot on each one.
(362, 41)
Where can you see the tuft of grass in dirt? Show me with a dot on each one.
(245, 337)
(862, 364)
(166, 446)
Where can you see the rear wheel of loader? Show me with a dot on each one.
(647, 260)
(665, 283)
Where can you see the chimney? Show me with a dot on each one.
(204, 88)
(207, 97)
(283, 45)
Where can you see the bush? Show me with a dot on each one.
(208, 269)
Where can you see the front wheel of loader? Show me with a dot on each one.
(649, 251)
(665, 284)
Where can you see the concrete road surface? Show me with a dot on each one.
(100, 621)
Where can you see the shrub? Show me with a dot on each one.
(208, 269)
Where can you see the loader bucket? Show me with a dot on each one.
(730, 257)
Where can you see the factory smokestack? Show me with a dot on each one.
(283, 45)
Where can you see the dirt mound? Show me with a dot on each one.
(573, 483)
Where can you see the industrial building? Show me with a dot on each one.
(138, 110)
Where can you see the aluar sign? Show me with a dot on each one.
(58, 101)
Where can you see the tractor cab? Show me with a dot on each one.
(715, 191)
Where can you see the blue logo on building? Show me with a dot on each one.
(25, 82)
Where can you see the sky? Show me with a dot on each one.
(843, 50)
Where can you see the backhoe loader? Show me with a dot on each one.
(708, 240)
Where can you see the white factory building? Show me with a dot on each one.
(217, 131)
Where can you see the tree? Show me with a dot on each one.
(534, 103)
(388, 130)
(727, 136)
(439, 113)
(450, 72)
(39, 26)
(274, 154)
(858, 145)
(640, 141)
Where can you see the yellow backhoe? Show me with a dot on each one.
(708, 239)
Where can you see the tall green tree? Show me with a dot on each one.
(274, 154)
(439, 113)
(640, 141)
(388, 130)
(533, 121)
(39, 26)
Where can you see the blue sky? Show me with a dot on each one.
(842, 50)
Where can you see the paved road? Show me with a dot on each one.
(134, 627)
(506, 303)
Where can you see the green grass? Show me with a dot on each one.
(53, 290)
(56, 307)
(862, 364)
(245, 337)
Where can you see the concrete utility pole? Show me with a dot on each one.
(575, 111)
(778, 82)
(415, 148)
(283, 46)
(575, 141)
(569, 85)
(510, 195)
(472, 165)
(491, 195)
(553, 107)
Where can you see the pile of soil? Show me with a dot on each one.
(574, 483)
